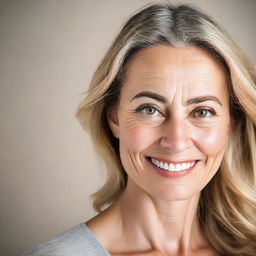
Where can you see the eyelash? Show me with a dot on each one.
(209, 110)
(143, 107)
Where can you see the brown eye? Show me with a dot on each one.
(204, 113)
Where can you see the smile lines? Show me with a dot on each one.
(172, 167)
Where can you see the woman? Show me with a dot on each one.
(171, 110)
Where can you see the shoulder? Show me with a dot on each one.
(78, 241)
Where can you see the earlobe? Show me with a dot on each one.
(112, 119)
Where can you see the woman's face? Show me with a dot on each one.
(172, 121)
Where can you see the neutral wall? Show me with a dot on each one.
(48, 52)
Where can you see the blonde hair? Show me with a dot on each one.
(227, 207)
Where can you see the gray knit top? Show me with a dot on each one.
(79, 241)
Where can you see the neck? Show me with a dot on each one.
(168, 226)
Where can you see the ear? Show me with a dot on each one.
(112, 119)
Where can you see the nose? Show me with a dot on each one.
(176, 135)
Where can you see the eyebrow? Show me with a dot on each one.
(191, 101)
(151, 95)
(200, 99)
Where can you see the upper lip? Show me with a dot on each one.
(174, 162)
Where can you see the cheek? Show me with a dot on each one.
(212, 142)
(136, 137)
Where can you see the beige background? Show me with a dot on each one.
(48, 52)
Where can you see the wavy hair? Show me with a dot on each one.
(227, 207)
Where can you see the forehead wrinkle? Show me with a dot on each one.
(146, 74)
(205, 71)
(143, 66)
(179, 71)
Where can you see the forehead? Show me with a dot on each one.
(164, 66)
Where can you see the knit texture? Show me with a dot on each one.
(79, 241)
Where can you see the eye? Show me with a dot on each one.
(148, 110)
(204, 113)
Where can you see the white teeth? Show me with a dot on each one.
(172, 167)
(178, 167)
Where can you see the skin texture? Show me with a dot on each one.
(156, 214)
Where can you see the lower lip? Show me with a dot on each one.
(170, 174)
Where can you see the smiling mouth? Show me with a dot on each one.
(172, 167)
